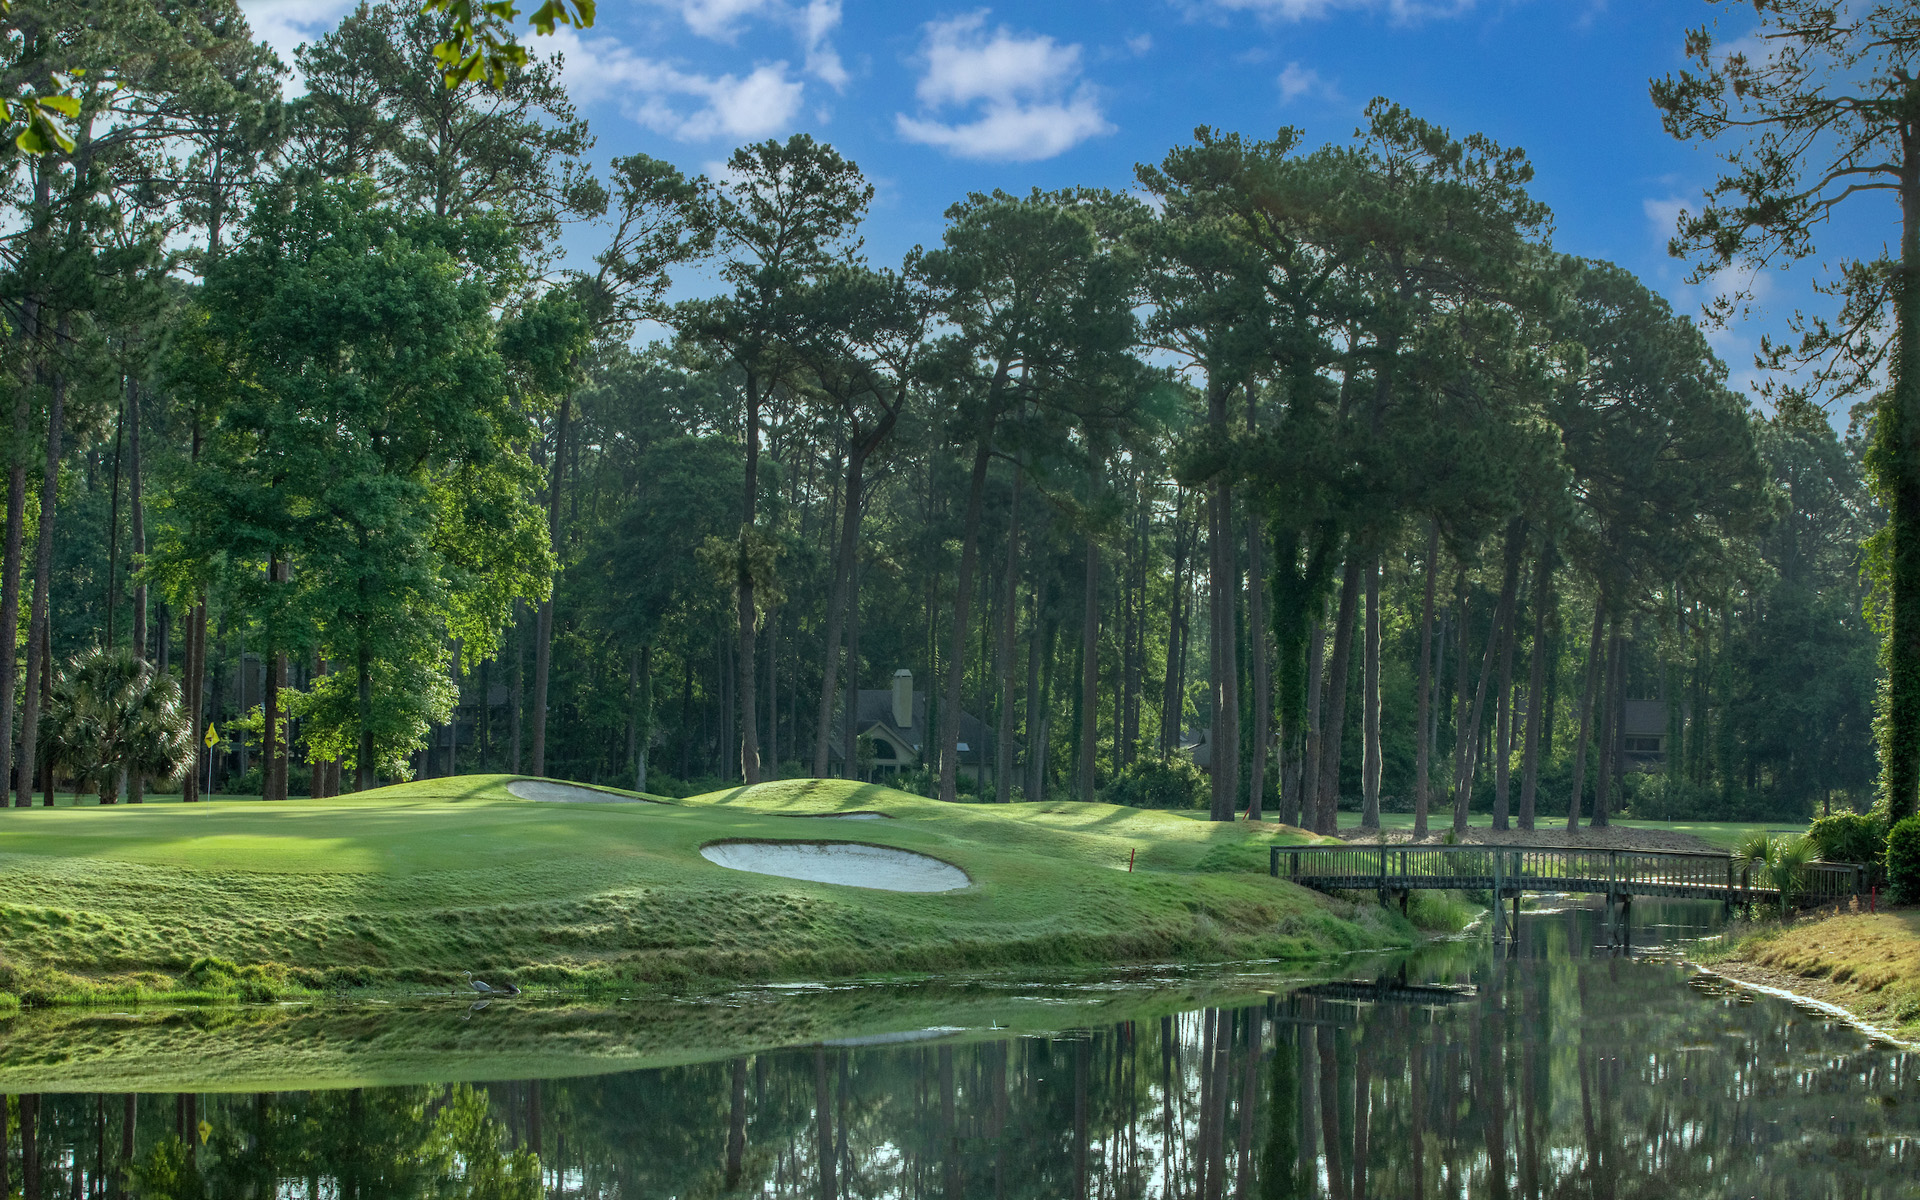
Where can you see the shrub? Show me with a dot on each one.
(1903, 861)
(1850, 837)
(1158, 783)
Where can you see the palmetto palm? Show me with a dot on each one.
(1782, 863)
(110, 713)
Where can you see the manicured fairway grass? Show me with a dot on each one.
(1723, 834)
(410, 886)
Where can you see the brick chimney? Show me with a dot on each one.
(903, 699)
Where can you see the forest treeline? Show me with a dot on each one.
(1317, 464)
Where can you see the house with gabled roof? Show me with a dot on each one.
(893, 720)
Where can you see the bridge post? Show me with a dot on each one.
(1499, 897)
(1273, 861)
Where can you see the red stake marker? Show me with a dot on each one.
(1130, 855)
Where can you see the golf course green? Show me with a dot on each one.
(410, 887)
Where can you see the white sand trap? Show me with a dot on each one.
(851, 863)
(568, 793)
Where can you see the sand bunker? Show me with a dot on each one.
(851, 863)
(568, 793)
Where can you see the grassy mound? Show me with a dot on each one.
(409, 886)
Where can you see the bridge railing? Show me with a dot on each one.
(1554, 868)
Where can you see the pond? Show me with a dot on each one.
(1550, 1065)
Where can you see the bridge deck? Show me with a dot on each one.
(1510, 870)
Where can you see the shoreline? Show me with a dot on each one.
(1752, 979)
(1862, 968)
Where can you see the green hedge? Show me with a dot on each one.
(1903, 861)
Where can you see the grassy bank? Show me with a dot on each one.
(1866, 964)
(407, 887)
(260, 1047)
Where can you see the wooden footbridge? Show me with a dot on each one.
(1507, 871)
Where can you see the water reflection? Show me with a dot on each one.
(1554, 1068)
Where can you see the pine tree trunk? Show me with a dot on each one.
(1049, 656)
(137, 548)
(363, 775)
(1315, 725)
(1537, 697)
(962, 601)
(317, 783)
(1035, 714)
(1586, 714)
(837, 616)
(1263, 742)
(1423, 745)
(113, 521)
(1173, 696)
(1090, 674)
(1370, 701)
(1009, 611)
(1462, 677)
(1224, 672)
(747, 613)
(37, 621)
(1503, 717)
(771, 766)
(1326, 819)
(457, 677)
(192, 660)
(517, 702)
(543, 632)
(1604, 745)
(1466, 763)
(850, 733)
(269, 707)
(642, 715)
(10, 573)
(31, 331)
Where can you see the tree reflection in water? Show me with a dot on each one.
(1545, 1072)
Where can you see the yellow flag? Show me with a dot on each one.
(213, 736)
(206, 1131)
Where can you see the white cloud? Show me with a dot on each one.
(284, 24)
(681, 104)
(1016, 133)
(1402, 11)
(1025, 89)
(1663, 216)
(717, 19)
(817, 20)
(1296, 81)
(1140, 44)
(812, 24)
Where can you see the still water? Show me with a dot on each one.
(1552, 1065)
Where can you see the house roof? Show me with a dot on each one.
(1644, 718)
(875, 708)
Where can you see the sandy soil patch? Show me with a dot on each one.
(568, 793)
(1614, 837)
(851, 863)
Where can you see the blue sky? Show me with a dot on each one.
(936, 100)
